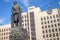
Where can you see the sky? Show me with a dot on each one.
(6, 5)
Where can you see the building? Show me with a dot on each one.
(42, 25)
(5, 32)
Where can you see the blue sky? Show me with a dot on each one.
(6, 5)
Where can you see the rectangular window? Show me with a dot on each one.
(43, 36)
(52, 30)
(50, 35)
(33, 33)
(41, 19)
(49, 30)
(56, 34)
(59, 29)
(53, 35)
(56, 29)
(47, 36)
(58, 24)
(33, 38)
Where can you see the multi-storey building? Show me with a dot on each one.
(41, 25)
(28, 21)
(47, 25)
(5, 32)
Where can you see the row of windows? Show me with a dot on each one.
(8, 29)
(51, 21)
(50, 35)
(24, 16)
(7, 33)
(53, 39)
(50, 26)
(51, 30)
(24, 24)
(5, 37)
(51, 17)
(24, 20)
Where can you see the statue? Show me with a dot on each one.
(16, 10)
(17, 31)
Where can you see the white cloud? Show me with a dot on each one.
(6, 0)
(59, 3)
(25, 2)
(1, 21)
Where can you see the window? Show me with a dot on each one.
(55, 25)
(52, 30)
(57, 20)
(33, 28)
(46, 31)
(44, 18)
(53, 16)
(45, 26)
(42, 23)
(58, 24)
(49, 30)
(56, 29)
(48, 21)
(33, 38)
(47, 36)
(48, 26)
(41, 19)
(42, 27)
(54, 39)
(56, 34)
(25, 24)
(50, 17)
(43, 36)
(52, 25)
(47, 17)
(25, 20)
(59, 29)
(32, 15)
(33, 33)
(47, 39)
(51, 21)
(4, 37)
(54, 20)
(25, 16)
(4, 29)
(56, 15)
(50, 39)
(4, 33)
(43, 31)
(57, 38)
(32, 24)
(53, 35)
(50, 35)
(22, 16)
(9, 28)
(22, 20)
(45, 22)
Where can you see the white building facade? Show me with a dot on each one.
(5, 32)
(41, 25)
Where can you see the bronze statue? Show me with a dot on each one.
(16, 10)
(17, 31)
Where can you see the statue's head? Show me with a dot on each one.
(15, 2)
